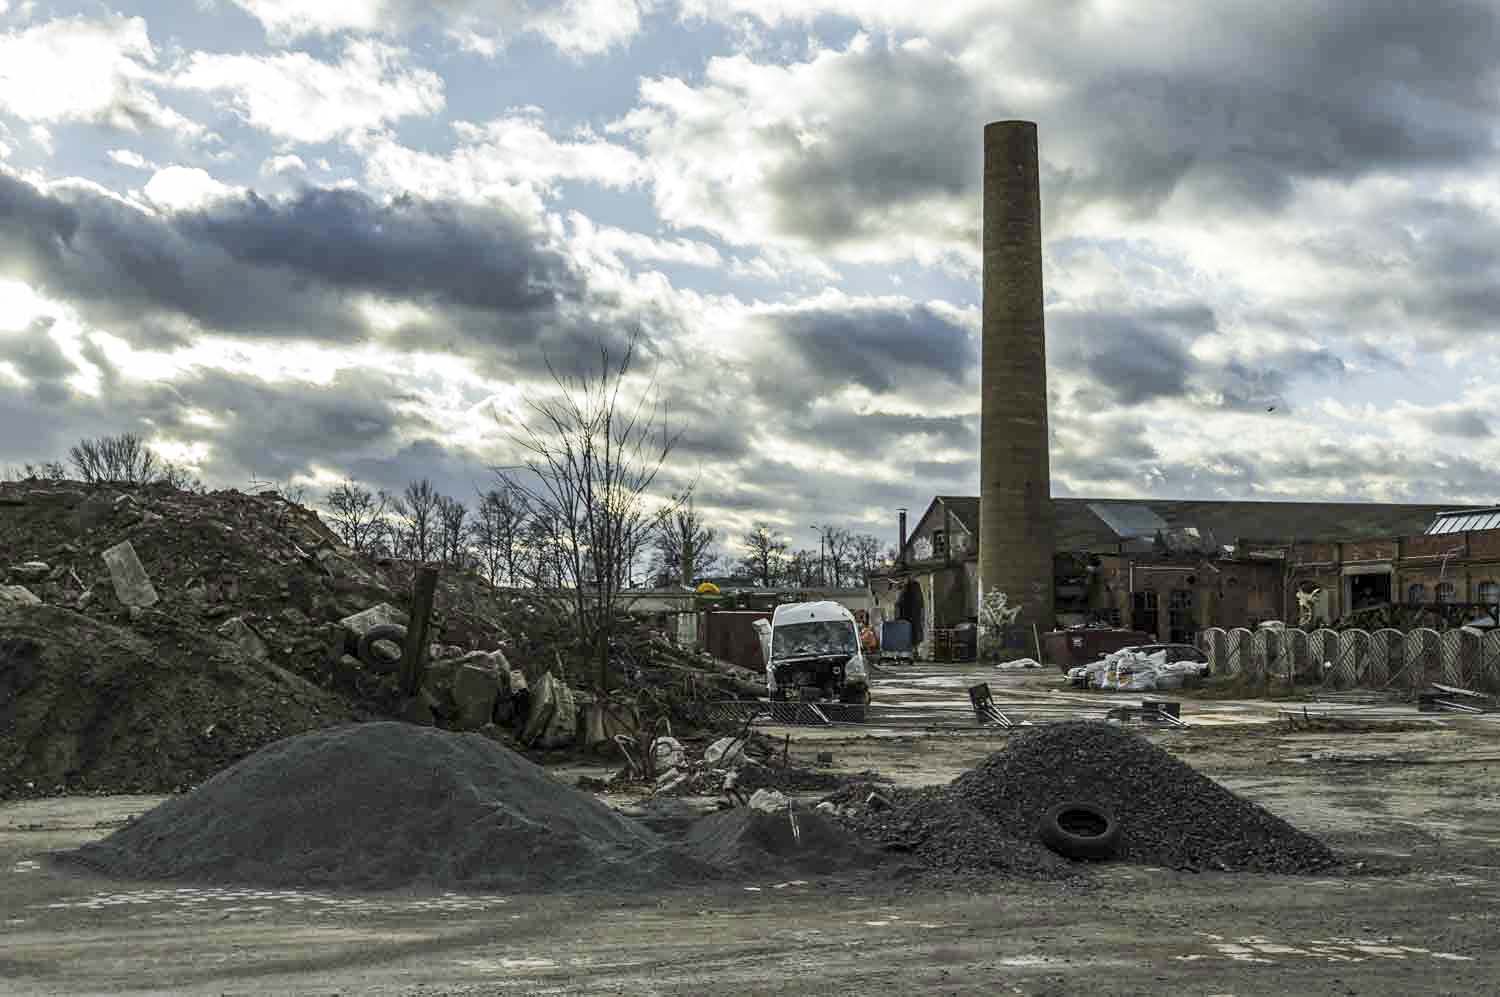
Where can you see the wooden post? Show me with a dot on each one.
(414, 656)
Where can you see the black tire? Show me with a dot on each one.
(384, 631)
(1080, 831)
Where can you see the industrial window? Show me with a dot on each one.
(1487, 592)
(1416, 594)
(939, 543)
(1445, 592)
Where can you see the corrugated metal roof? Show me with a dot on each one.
(1130, 522)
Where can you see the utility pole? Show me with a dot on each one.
(822, 563)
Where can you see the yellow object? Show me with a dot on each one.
(708, 588)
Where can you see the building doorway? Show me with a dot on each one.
(1369, 589)
(1181, 628)
(910, 608)
(1144, 614)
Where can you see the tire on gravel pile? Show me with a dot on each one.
(1080, 831)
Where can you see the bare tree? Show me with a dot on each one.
(358, 515)
(417, 518)
(801, 568)
(839, 554)
(684, 545)
(864, 552)
(181, 478)
(764, 554)
(452, 536)
(499, 528)
(592, 458)
(123, 459)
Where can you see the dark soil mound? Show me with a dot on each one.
(1170, 814)
(946, 834)
(748, 840)
(387, 805)
(90, 707)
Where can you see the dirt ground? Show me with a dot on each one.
(1420, 807)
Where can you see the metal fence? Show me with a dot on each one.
(1357, 659)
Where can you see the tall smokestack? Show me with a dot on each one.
(901, 529)
(1015, 495)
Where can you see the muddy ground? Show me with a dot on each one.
(1421, 807)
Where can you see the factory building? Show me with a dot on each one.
(1171, 568)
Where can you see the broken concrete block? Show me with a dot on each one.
(17, 595)
(769, 800)
(475, 690)
(668, 753)
(363, 622)
(242, 635)
(552, 721)
(725, 751)
(132, 587)
(31, 571)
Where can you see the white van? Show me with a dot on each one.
(814, 653)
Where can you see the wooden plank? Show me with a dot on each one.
(414, 657)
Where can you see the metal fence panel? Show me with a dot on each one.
(1237, 650)
(1423, 658)
(1387, 655)
(1489, 656)
(1349, 665)
(1323, 645)
(1212, 641)
(1297, 656)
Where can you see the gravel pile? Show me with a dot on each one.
(946, 834)
(388, 805)
(1170, 814)
(747, 840)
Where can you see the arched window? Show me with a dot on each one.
(1487, 592)
(1416, 594)
(1445, 592)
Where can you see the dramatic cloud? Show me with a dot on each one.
(579, 27)
(75, 69)
(288, 267)
(295, 96)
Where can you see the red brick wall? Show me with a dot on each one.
(1433, 546)
(1370, 550)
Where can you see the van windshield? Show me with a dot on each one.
(802, 640)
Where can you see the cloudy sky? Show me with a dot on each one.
(288, 240)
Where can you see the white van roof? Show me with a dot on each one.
(810, 612)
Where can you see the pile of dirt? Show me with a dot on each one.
(90, 707)
(387, 805)
(277, 580)
(1170, 814)
(746, 840)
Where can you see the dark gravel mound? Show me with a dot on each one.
(946, 834)
(747, 840)
(386, 805)
(1170, 814)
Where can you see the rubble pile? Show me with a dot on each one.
(734, 767)
(1170, 815)
(387, 805)
(86, 706)
(264, 579)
